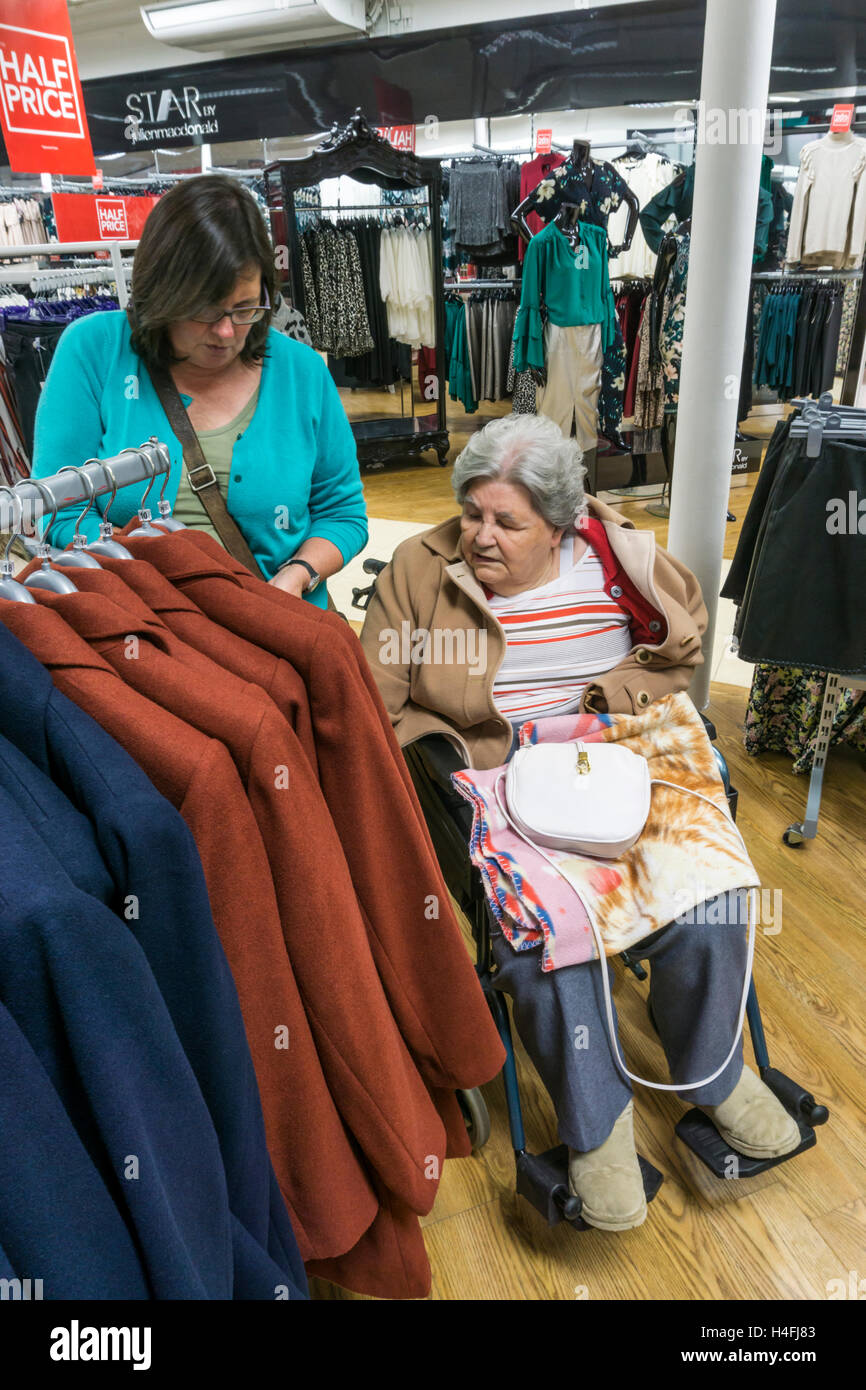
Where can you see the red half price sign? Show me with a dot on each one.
(41, 106)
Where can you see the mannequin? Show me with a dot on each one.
(584, 190)
(581, 164)
(566, 274)
(581, 154)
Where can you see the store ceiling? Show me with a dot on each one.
(644, 52)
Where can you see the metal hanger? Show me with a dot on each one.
(78, 554)
(9, 586)
(105, 545)
(145, 515)
(45, 577)
(163, 506)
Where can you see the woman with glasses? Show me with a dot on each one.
(264, 408)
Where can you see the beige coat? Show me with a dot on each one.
(435, 646)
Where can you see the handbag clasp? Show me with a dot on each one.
(583, 763)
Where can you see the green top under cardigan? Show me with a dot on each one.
(294, 470)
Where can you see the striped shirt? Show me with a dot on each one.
(559, 638)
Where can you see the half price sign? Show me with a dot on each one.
(41, 106)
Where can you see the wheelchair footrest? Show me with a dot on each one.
(699, 1133)
(543, 1180)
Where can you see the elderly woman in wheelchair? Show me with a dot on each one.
(552, 605)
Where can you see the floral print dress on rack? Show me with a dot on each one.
(673, 317)
(596, 197)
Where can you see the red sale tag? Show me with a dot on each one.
(842, 118)
(41, 106)
(543, 140)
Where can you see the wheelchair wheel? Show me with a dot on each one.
(476, 1115)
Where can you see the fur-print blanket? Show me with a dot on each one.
(688, 852)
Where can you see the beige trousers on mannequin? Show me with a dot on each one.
(574, 356)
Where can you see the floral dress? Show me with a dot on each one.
(784, 714)
(596, 194)
(673, 316)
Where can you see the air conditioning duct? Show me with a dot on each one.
(222, 24)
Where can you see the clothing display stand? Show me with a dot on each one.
(669, 435)
(358, 150)
(807, 829)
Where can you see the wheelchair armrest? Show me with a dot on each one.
(710, 727)
(712, 735)
(431, 761)
(361, 597)
(439, 758)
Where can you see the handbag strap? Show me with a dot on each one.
(208, 490)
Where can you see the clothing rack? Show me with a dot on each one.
(634, 138)
(73, 248)
(81, 275)
(361, 152)
(809, 273)
(23, 190)
(824, 419)
(134, 465)
(480, 284)
(366, 207)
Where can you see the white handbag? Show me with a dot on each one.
(592, 799)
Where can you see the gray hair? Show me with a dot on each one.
(533, 451)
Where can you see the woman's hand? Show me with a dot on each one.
(292, 580)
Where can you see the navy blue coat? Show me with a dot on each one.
(156, 882)
(79, 988)
(59, 1223)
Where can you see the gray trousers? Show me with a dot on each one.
(696, 985)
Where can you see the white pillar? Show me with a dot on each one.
(738, 44)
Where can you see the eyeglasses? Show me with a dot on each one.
(240, 317)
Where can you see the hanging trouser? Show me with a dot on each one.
(29, 349)
(696, 983)
(574, 358)
(824, 369)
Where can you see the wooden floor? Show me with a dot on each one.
(784, 1234)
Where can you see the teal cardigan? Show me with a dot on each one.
(294, 470)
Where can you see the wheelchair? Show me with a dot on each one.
(543, 1178)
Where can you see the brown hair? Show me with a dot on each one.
(200, 237)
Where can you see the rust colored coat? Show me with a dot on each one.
(422, 959)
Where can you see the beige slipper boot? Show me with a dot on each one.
(608, 1179)
(753, 1120)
